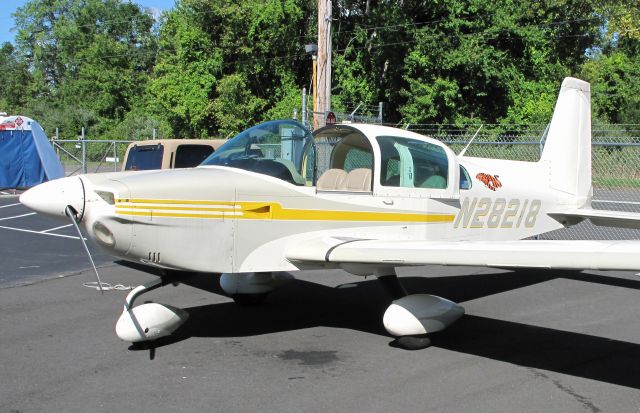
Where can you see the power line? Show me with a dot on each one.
(486, 35)
(139, 52)
(146, 12)
(414, 24)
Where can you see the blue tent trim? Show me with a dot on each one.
(27, 158)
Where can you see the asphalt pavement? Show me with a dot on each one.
(531, 341)
(34, 247)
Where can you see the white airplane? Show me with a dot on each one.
(364, 198)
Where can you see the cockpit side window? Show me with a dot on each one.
(465, 180)
(412, 163)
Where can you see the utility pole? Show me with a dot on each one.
(322, 98)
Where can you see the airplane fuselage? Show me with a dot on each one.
(220, 219)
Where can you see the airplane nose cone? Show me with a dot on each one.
(52, 198)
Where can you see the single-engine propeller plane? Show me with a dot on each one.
(364, 198)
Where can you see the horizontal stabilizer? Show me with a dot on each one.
(604, 218)
(576, 255)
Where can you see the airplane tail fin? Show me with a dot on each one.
(567, 149)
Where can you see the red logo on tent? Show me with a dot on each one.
(19, 121)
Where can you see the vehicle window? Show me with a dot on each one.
(465, 181)
(188, 156)
(144, 157)
(412, 163)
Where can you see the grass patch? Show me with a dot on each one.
(616, 182)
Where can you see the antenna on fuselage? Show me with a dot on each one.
(469, 144)
(353, 114)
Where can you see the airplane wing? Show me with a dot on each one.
(579, 255)
(599, 217)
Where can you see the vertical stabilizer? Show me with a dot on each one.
(567, 149)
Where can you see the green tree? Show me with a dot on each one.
(371, 41)
(615, 87)
(89, 59)
(235, 106)
(15, 80)
(621, 18)
(478, 58)
(247, 44)
(185, 74)
(212, 68)
(532, 102)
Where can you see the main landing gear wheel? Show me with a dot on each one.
(252, 288)
(411, 317)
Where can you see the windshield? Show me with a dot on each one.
(281, 149)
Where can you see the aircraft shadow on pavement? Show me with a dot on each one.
(360, 306)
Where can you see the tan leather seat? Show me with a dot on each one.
(332, 180)
(359, 180)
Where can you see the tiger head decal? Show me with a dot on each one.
(490, 181)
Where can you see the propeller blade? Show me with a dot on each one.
(71, 215)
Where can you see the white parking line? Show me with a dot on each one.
(53, 229)
(18, 216)
(10, 205)
(38, 232)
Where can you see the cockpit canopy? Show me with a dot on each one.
(352, 158)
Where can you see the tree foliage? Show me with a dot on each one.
(222, 64)
(14, 79)
(616, 87)
(211, 68)
(89, 60)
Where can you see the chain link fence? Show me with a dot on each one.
(615, 162)
(80, 156)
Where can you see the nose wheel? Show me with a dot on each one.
(148, 321)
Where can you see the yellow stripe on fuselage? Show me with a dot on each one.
(173, 201)
(262, 211)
